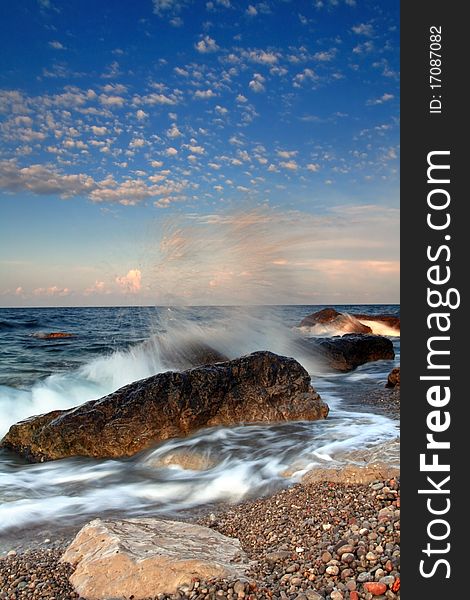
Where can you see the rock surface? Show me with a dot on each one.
(340, 321)
(349, 351)
(259, 387)
(394, 378)
(140, 558)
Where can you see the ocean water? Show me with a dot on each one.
(114, 346)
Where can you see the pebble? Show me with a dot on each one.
(331, 546)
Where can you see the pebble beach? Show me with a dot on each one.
(317, 540)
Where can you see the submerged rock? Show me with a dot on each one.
(340, 321)
(259, 387)
(54, 335)
(140, 558)
(349, 351)
(185, 459)
(393, 378)
(391, 321)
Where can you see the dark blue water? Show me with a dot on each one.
(111, 347)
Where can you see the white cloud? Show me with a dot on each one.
(130, 283)
(51, 291)
(98, 130)
(206, 44)
(325, 55)
(287, 153)
(314, 167)
(251, 11)
(304, 76)
(241, 99)
(111, 100)
(56, 45)
(262, 57)
(290, 165)
(141, 115)
(173, 131)
(204, 94)
(40, 179)
(257, 83)
(365, 29)
(137, 143)
(171, 151)
(384, 98)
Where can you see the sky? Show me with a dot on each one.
(182, 151)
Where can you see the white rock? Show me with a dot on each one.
(146, 557)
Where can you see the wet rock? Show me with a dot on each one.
(347, 352)
(344, 323)
(393, 378)
(140, 558)
(54, 335)
(186, 459)
(260, 387)
(391, 321)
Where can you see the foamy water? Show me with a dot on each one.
(244, 460)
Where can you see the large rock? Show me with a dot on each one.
(347, 352)
(140, 558)
(332, 318)
(259, 387)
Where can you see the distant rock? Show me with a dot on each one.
(391, 321)
(393, 378)
(349, 351)
(344, 323)
(352, 323)
(140, 558)
(54, 335)
(260, 387)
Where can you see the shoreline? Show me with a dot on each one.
(294, 535)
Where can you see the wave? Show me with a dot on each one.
(6, 324)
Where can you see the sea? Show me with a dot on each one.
(112, 346)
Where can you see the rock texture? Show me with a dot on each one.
(347, 352)
(140, 558)
(331, 317)
(259, 387)
(394, 378)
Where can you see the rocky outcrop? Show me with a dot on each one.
(352, 323)
(393, 378)
(347, 352)
(259, 387)
(336, 320)
(140, 558)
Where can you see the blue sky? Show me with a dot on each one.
(154, 151)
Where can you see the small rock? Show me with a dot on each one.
(375, 588)
(326, 557)
(332, 570)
